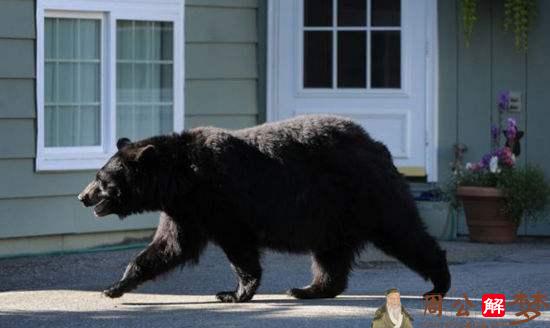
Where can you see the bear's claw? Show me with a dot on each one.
(113, 292)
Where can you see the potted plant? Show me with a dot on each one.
(497, 194)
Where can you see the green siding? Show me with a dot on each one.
(221, 89)
(55, 215)
(223, 3)
(471, 79)
(23, 145)
(226, 25)
(227, 121)
(17, 19)
(221, 64)
(17, 98)
(17, 58)
(218, 97)
(19, 180)
(214, 61)
(537, 98)
(448, 84)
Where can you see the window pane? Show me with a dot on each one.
(87, 132)
(144, 78)
(317, 59)
(352, 12)
(162, 41)
(124, 82)
(143, 84)
(50, 124)
(352, 59)
(89, 39)
(72, 85)
(125, 40)
(386, 13)
(386, 59)
(66, 119)
(66, 38)
(318, 12)
(50, 38)
(142, 40)
(67, 83)
(89, 88)
(125, 120)
(50, 78)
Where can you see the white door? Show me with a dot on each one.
(365, 59)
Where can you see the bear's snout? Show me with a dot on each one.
(89, 196)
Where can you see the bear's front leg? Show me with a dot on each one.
(151, 262)
(245, 261)
(171, 246)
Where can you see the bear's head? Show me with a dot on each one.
(122, 186)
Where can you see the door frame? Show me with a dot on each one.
(432, 71)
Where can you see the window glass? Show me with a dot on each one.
(72, 82)
(317, 59)
(352, 59)
(144, 78)
(386, 12)
(318, 12)
(386, 59)
(352, 13)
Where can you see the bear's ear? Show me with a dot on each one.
(122, 142)
(146, 153)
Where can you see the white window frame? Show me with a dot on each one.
(93, 157)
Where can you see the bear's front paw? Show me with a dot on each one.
(114, 291)
(227, 297)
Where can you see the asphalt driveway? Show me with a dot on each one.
(63, 291)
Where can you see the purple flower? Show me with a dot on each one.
(485, 160)
(512, 128)
(504, 100)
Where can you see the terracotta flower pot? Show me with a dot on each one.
(484, 215)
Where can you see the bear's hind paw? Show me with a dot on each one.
(231, 297)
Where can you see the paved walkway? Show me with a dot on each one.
(63, 291)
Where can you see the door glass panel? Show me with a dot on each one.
(352, 13)
(318, 12)
(352, 59)
(317, 59)
(386, 12)
(361, 53)
(386, 59)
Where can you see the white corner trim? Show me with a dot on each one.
(432, 92)
(84, 158)
(272, 58)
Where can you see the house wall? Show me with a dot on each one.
(470, 79)
(221, 89)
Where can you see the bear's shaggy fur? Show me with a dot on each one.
(312, 184)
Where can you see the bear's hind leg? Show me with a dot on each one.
(245, 261)
(330, 275)
(419, 251)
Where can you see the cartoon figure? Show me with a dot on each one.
(392, 314)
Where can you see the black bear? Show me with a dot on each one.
(312, 184)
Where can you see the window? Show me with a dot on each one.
(105, 70)
(351, 44)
